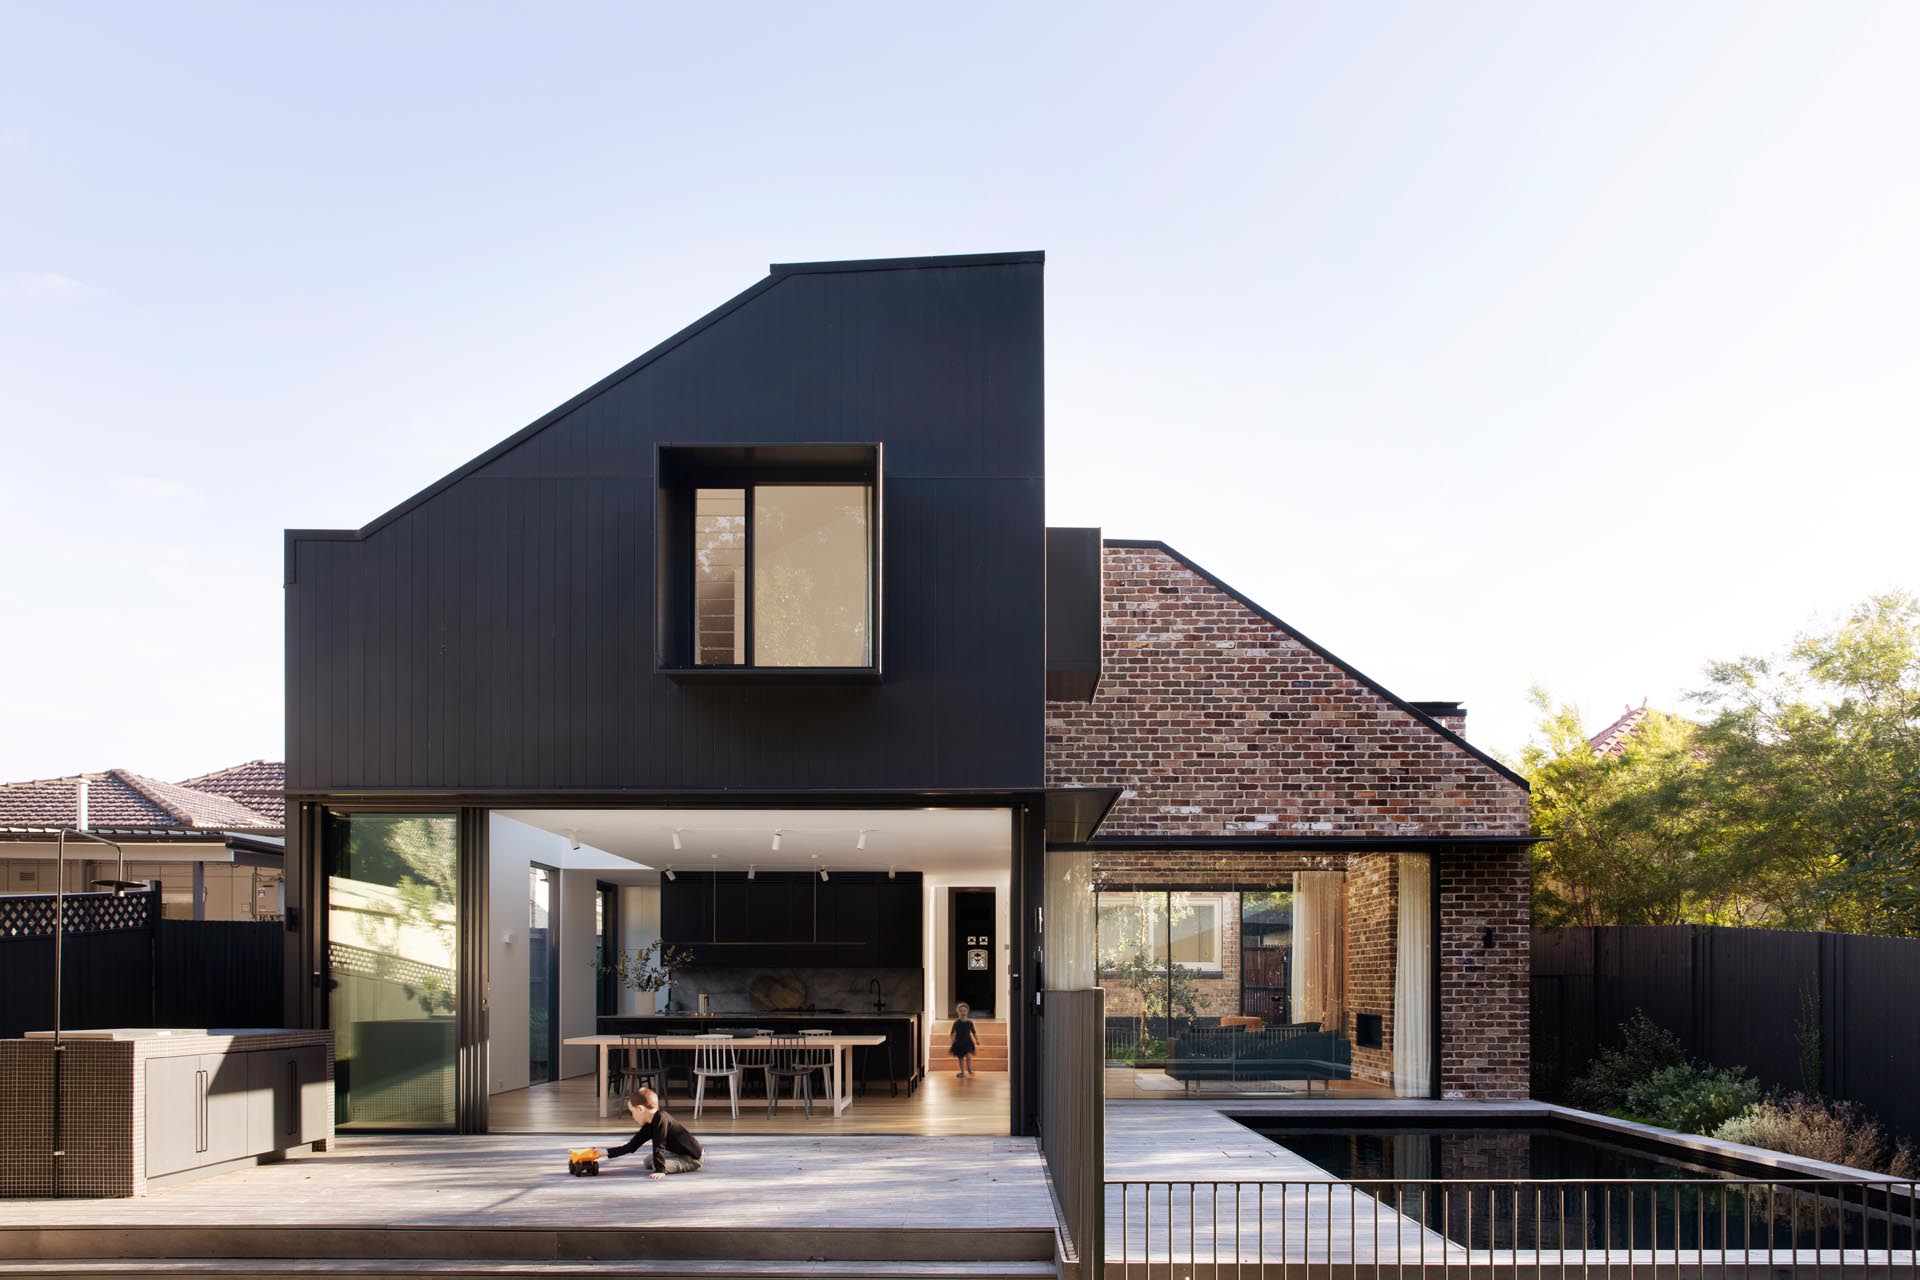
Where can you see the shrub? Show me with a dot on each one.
(1692, 1099)
(1837, 1132)
(1644, 1049)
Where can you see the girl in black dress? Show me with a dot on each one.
(963, 1045)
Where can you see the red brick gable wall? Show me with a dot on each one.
(1214, 721)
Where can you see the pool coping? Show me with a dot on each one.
(1427, 1110)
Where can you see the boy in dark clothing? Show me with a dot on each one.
(675, 1150)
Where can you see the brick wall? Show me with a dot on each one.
(1484, 988)
(1372, 937)
(1213, 721)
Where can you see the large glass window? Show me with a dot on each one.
(1319, 981)
(783, 576)
(392, 927)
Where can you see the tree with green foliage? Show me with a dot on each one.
(1814, 789)
(1622, 844)
(1796, 805)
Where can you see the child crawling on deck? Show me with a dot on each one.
(675, 1149)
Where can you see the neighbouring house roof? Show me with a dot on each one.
(1612, 740)
(260, 785)
(120, 800)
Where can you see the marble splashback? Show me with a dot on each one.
(727, 990)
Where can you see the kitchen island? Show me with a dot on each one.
(901, 1059)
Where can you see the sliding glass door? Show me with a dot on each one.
(392, 934)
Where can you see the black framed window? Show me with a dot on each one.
(770, 560)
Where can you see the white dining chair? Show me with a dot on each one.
(713, 1057)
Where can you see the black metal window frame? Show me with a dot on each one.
(685, 470)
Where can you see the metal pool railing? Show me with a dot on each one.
(1512, 1227)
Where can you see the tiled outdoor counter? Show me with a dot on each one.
(143, 1106)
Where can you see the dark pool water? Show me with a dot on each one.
(1481, 1153)
(1549, 1186)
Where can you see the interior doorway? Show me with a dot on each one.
(973, 951)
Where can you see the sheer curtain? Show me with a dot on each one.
(1317, 916)
(1068, 922)
(1413, 979)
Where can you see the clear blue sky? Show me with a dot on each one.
(1486, 344)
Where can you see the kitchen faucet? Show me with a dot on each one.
(879, 1001)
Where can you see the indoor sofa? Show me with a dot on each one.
(1296, 1051)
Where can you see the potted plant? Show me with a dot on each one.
(647, 969)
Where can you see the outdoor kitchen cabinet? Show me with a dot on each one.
(196, 1111)
(286, 1097)
(135, 1105)
(206, 1109)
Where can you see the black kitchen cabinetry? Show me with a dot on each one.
(686, 908)
(853, 919)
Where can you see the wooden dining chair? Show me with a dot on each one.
(713, 1058)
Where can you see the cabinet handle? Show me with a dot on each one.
(200, 1111)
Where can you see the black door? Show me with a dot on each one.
(973, 950)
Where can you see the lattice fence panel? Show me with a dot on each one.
(31, 915)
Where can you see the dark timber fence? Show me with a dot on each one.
(1832, 1012)
(1072, 1118)
(124, 966)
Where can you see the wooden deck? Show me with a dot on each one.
(759, 1196)
(941, 1107)
(1185, 1143)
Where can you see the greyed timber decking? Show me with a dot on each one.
(509, 1197)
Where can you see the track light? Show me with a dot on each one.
(676, 837)
(670, 874)
(861, 843)
(776, 842)
(823, 873)
(573, 838)
(892, 872)
(752, 871)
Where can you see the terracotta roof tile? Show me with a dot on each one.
(260, 785)
(119, 798)
(1612, 740)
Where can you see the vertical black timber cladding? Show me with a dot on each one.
(1073, 614)
(498, 631)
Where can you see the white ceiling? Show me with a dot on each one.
(935, 840)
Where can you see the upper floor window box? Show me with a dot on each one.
(769, 561)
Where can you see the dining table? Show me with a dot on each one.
(840, 1070)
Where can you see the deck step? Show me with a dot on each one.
(307, 1249)
(463, 1268)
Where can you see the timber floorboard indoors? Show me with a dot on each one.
(941, 1107)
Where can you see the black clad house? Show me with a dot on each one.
(791, 559)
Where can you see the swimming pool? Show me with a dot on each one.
(1552, 1178)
